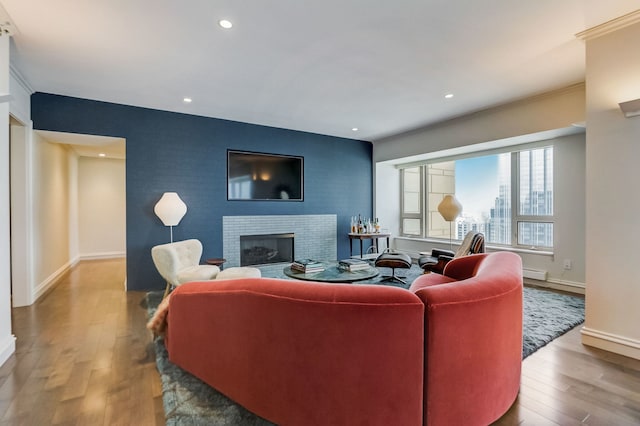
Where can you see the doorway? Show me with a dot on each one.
(61, 186)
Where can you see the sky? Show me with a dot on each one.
(477, 184)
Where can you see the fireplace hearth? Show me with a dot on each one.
(266, 249)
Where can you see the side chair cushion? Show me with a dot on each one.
(198, 273)
(239, 272)
(477, 244)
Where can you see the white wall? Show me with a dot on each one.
(569, 170)
(50, 212)
(7, 341)
(387, 197)
(74, 238)
(20, 105)
(21, 191)
(101, 207)
(21, 216)
(613, 199)
(555, 110)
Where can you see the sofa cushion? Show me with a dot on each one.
(427, 280)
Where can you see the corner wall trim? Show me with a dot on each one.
(7, 348)
(611, 342)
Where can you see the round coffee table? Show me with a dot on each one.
(332, 274)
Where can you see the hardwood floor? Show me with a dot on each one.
(84, 357)
(567, 383)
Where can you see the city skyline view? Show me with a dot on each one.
(484, 187)
(477, 184)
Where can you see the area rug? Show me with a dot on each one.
(190, 402)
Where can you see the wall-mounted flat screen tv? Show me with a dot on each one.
(258, 176)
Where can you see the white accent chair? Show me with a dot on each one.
(179, 263)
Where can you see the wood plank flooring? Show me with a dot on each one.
(84, 357)
(567, 383)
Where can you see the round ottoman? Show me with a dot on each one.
(393, 261)
(238, 272)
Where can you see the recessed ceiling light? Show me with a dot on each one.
(448, 95)
(225, 24)
(102, 154)
(187, 100)
(355, 129)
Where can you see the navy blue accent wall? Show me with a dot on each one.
(187, 154)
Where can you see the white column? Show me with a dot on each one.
(612, 196)
(7, 340)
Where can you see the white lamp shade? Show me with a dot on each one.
(449, 208)
(170, 209)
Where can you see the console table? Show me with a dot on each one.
(374, 237)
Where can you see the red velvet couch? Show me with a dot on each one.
(473, 338)
(304, 353)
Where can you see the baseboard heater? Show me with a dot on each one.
(534, 274)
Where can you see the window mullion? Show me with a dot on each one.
(515, 198)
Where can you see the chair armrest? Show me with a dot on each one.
(439, 252)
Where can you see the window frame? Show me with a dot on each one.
(516, 217)
(421, 202)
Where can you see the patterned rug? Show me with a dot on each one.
(190, 402)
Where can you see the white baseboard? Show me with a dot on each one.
(103, 255)
(611, 342)
(562, 285)
(50, 281)
(7, 348)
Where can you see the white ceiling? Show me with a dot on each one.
(87, 145)
(319, 66)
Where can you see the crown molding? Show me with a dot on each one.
(6, 24)
(610, 26)
(19, 78)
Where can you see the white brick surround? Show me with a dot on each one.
(315, 235)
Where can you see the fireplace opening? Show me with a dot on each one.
(266, 249)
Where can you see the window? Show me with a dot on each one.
(484, 186)
(412, 201)
(535, 198)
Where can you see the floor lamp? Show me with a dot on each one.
(170, 209)
(449, 208)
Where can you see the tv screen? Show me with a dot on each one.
(258, 176)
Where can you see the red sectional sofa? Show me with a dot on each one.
(302, 353)
(473, 338)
